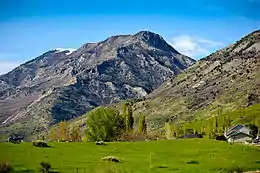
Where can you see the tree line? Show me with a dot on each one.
(102, 124)
(212, 129)
(110, 124)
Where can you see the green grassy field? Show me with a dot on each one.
(192, 155)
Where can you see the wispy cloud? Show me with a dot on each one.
(210, 43)
(6, 66)
(194, 47)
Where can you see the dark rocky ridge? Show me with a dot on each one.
(60, 85)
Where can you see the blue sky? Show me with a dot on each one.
(195, 28)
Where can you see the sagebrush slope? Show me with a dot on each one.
(228, 79)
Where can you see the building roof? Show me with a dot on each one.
(237, 133)
(236, 130)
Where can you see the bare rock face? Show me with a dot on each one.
(63, 84)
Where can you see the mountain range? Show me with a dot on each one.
(224, 82)
(64, 84)
(223, 85)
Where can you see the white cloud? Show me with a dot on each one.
(6, 66)
(210, 43)
(66, 49)
(194, 47)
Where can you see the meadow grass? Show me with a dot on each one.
(190, 155)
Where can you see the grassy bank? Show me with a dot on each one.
(193, 155)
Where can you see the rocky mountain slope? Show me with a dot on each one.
(226, 80)
(63, 84)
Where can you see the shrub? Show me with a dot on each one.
(111, 159)
(40, 144)
(104, 124)
(221, 138)
(5, 167)
(212, 135)
(253, 129)
(45, 167)
(173, 130)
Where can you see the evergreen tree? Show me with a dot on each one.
(124, 109)
(127, 114)
(216, 124)
(142, 127)
(130, 116)
(229, 121)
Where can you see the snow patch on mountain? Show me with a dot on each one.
(68, 50)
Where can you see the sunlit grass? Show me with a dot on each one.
(194, 155)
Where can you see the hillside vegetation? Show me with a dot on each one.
(225, 86)
(225, 82)
(248, 115)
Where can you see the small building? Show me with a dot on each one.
(15, 139)
(239, 133)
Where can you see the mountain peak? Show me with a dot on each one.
(63, 87)
(155, 40)
(148, 35)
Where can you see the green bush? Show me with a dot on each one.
(104, 124)
(40, 144)
(5, 167)
(45, 167)
(253, 130)
(212, 135)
